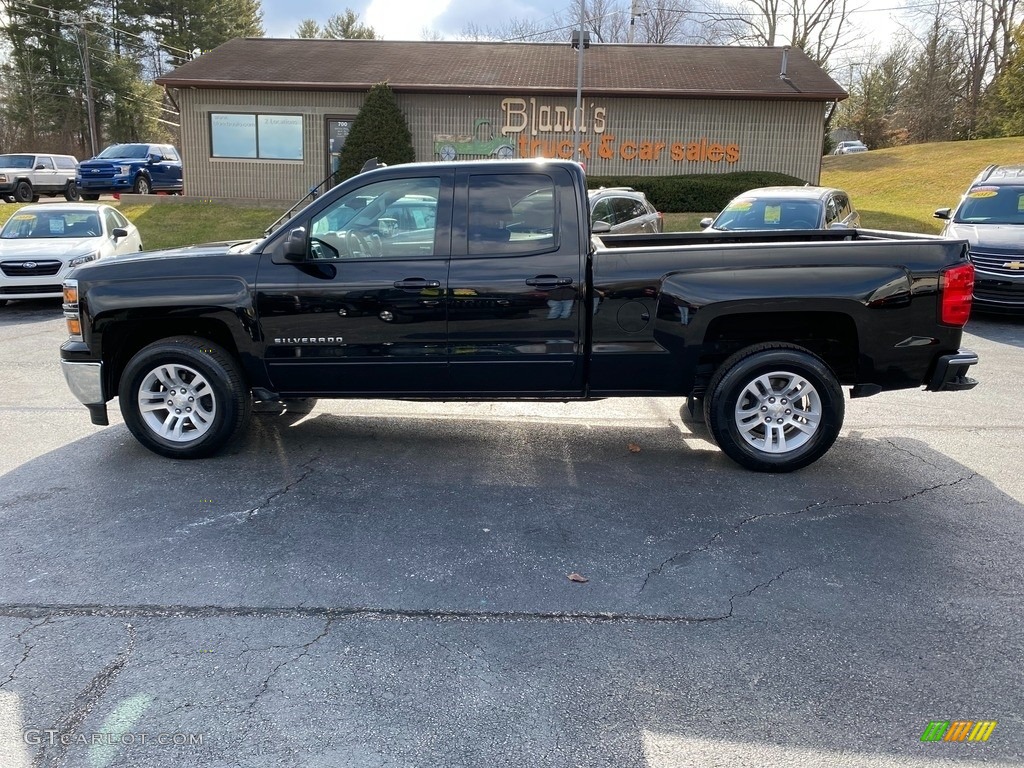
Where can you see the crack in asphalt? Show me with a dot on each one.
(827, 503)
(35, 610)
(72, 720)
(720, 534)
(909, 452)
(305, 650)
(26, 646)
(274, 496)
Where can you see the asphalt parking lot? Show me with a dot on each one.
(386, 584)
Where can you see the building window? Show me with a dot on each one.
(266, 137)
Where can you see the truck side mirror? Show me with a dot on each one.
(600, 226)
(942, 213)
(154, 158)
(295, 244)
(706, 222)
(40, 167)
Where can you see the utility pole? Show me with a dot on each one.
(90, 103)
(633, 13)
(577, 115)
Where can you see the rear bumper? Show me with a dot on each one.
(86, 383)
(951, 372)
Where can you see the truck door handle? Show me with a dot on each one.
(417, 282)
(541, 281)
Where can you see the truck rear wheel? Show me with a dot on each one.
(184, 397)
(774, 407)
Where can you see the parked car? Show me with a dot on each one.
(775, 208)
(41, 244)
(990, 217)
(625, 209)
(26, 176)
(849, 148)
(138, 168)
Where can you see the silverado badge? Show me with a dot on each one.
(1014, 265)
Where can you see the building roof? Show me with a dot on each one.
(657, 71)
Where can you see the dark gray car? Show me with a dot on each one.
(625, 210)
(991, 218)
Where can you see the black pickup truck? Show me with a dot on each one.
(487, 280)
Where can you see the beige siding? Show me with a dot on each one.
(761, 135)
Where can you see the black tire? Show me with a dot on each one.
(142, 185)
(71, 192)
(35, 198)
(221, 395)
(90, 196)
(23, 192)
(791, 440)
(3, 302)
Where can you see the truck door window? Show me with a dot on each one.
(511, 214)
(603, 211)
(394, 218)
(46, 162)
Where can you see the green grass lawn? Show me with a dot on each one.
(896, 189)
(900, 188)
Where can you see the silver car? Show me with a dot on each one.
(849, 148)
(41, 244)
(774, 208)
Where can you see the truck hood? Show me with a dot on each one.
(224, 249)
(1009, 237)
(110, 161)
(47, 248)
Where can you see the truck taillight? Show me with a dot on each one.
(72, 310)
(956, 286)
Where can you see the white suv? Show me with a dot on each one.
(26, 176)
(849, 148)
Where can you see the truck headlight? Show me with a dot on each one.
(3, 178)
(80, 260)
(124, 169)
(72, 310)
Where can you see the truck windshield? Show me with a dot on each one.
(16, 161)
(130, 151)
(992, 205)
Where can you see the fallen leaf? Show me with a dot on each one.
(634, 448)
(577, 578)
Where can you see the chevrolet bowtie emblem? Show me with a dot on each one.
(1014, 265)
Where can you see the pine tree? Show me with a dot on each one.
(380, 130)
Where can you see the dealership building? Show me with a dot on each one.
(266, 118)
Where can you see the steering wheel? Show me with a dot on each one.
(358, 244)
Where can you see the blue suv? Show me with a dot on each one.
(138, 168)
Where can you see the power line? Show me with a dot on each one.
(160, 43)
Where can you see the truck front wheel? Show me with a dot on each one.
(142, 185)
(774, 407)
(184, 397)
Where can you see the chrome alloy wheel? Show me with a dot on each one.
(778, 412)
(177, 403)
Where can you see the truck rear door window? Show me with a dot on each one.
(511, 214)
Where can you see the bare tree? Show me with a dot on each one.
(818, 27)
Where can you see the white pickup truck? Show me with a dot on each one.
(25, 176)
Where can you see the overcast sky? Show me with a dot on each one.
(406, 19)
(874, 20)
